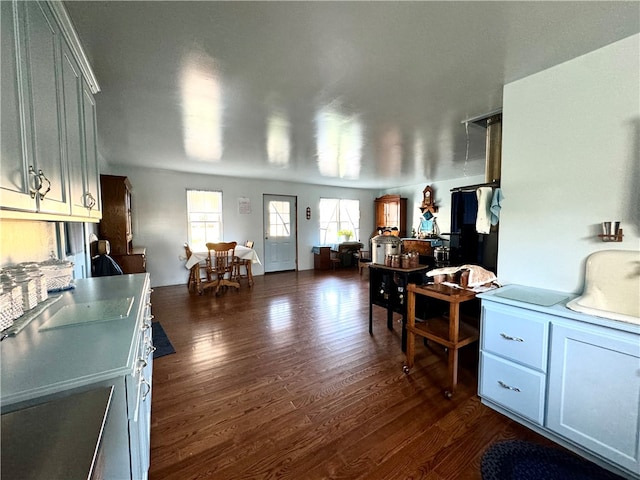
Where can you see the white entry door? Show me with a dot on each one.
(279, 233)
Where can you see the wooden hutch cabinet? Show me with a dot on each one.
(116, 224)
(391, 211)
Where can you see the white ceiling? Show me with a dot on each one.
(359, 94)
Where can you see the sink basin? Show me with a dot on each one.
(611, 286)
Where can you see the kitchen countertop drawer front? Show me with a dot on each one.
(514, 334)
(516, 388)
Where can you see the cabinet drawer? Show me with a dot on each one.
(513, 386)
(515, 334)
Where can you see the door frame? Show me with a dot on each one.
(294, 233)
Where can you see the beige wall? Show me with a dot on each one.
(570, 160)
(159, 209)
(26, 241)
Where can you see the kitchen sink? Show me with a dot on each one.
(611, 286)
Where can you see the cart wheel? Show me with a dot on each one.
(448, 394)
(405, 369)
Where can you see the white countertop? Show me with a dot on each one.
(39, 362)
(539, 295)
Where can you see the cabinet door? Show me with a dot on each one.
(594, 391)
(72, 90)
(81, 153)
(92, 172)
(15, 181)
(391, 211)
(43, 46)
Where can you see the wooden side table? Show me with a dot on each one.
(449, 332)
(321, 258)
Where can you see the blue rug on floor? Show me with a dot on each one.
(519, 460)
(160, 341)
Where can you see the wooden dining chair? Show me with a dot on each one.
(220, 266)
(197, 273)
(240, 263)
(364, 260)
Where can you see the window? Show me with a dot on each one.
(337, 215)
(279, 219)
(204, 214)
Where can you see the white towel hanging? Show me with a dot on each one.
(483, 220)
(496, 205)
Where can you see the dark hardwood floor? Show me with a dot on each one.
(283, 380)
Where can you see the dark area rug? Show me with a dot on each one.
(161, 341)
(516, 459)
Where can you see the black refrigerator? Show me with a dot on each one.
(466, 245)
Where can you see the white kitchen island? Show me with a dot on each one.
(96, 335)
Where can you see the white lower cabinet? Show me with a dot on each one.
(513, 362)
(139, 408)
(575, 382)
(114, 353)
(594, 391)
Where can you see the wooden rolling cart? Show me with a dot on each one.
(449, 332)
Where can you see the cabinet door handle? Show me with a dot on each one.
(508, 387)
(43, 179)
(89, 201)
(37, 182)
(507, 337)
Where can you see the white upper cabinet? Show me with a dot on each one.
(44, 162)
(91, 195)
(72, 91)
(43, 55)
(16, 184)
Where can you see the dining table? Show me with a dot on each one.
(195, 261)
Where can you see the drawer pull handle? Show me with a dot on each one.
(148, 389)
(508, 387)
(142, 365)
(150, 349)
(507, 337)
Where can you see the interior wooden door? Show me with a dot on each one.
(279, 233)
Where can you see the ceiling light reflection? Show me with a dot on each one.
(278, 139)
(201, 108)
(418, 152)
(390, 159)
(339, 144)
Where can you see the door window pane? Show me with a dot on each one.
(279, 219)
